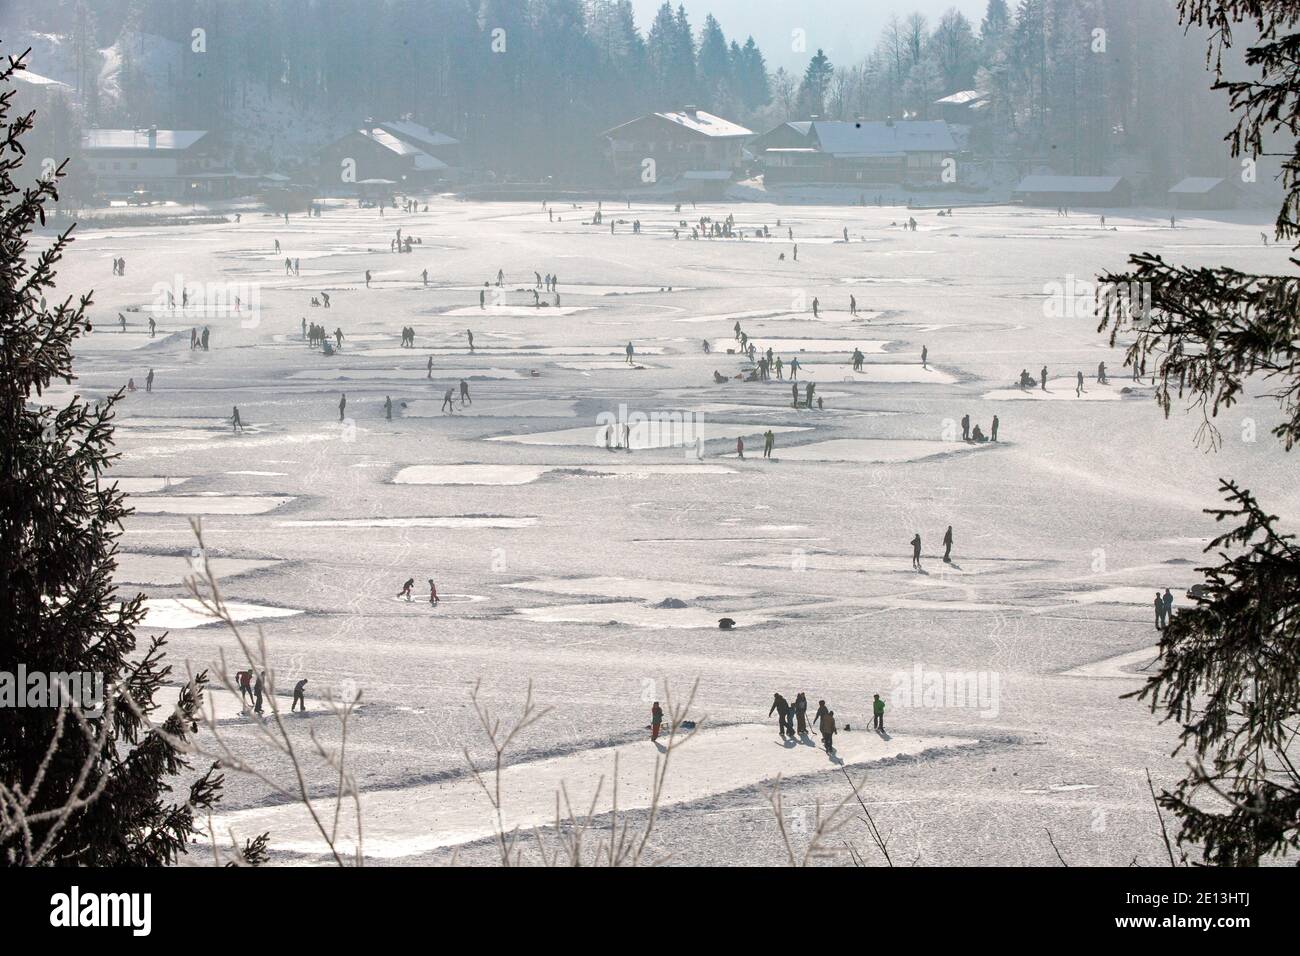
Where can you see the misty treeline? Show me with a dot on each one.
(529, 84)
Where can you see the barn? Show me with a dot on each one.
(1083, 191)
(1203, 192)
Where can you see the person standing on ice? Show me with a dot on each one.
(470, 335)
(388, 407)
(367, 278)
(808, 390)
(338, 337)
(298, 698)
(343, 404)
(1042, 378)
(482, 298)
(853, 305)
(993, 434)
(965, 428)
(428, 369)
(1078, 387)
(1101, 374)
(424, 276)
(656, 721)
(277, 247)
(794, 373)
(782, 708)
(740, 447)
(794, 393)
(877, 713)
(433, 592)
(148, 381)
(630, 352)
(816, 304)
(1160, 612)
(447, 403)
(406, 589)
(464, 394)
(736, 328)
(916, 551)
(258, 685)
(325, 299)
(779, 368)
(828, 728)
(244, 680)
(925, 357)
(1168, 602)
(821, 712)
(801, 712)
(153, 327)
(947, 546)
(235, 424)
(769, 441)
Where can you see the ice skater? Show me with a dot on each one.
(433, 592)
(298, 697)
(236, 424)
(343, 405)
(630, 351)
(656, 721)
(947, 546)
(448, 404)
(877, 713)
(916, 551)
(464, 394)
(406, 589)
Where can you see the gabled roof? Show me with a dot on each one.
(164, 139)
(44, 82)
(877, 138)
(697, 121)
(416, 133)
(388, 141)
(1197, 185)
(1069, 184)
(962, 98)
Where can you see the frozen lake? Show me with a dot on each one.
(601, 576)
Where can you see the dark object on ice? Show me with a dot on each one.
(668, 603)
(726, 623)
(1197, 591)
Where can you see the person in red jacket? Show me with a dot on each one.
(656, 721)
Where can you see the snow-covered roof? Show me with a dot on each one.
(168, 139)
(1069, 184)
(410, 131)
(699, 121)
(425, 163)
(35, 79)
(389, 141)
(877, 138)
(961, 98)
(1197, 185)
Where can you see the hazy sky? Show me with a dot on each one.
(846, 29)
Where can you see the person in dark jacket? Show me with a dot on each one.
(947, 546)
(257, 692)
(656, 721)
(782, 708)
(827, 726)
(298, 697)
(801, 713)
(878, 713)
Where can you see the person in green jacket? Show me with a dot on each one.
(878, 709)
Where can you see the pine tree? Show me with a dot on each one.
(1229, 666)
(77, 789)
(816, 81)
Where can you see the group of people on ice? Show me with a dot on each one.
(794, 723)
(410, 583)
(252, 686)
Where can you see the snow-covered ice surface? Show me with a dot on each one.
(538, 538)
(405, 823)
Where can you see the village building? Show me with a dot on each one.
(692, 146)
(403, 153)
(1076, 191)
(142, 165)
(865, 152)
(1203, 192)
